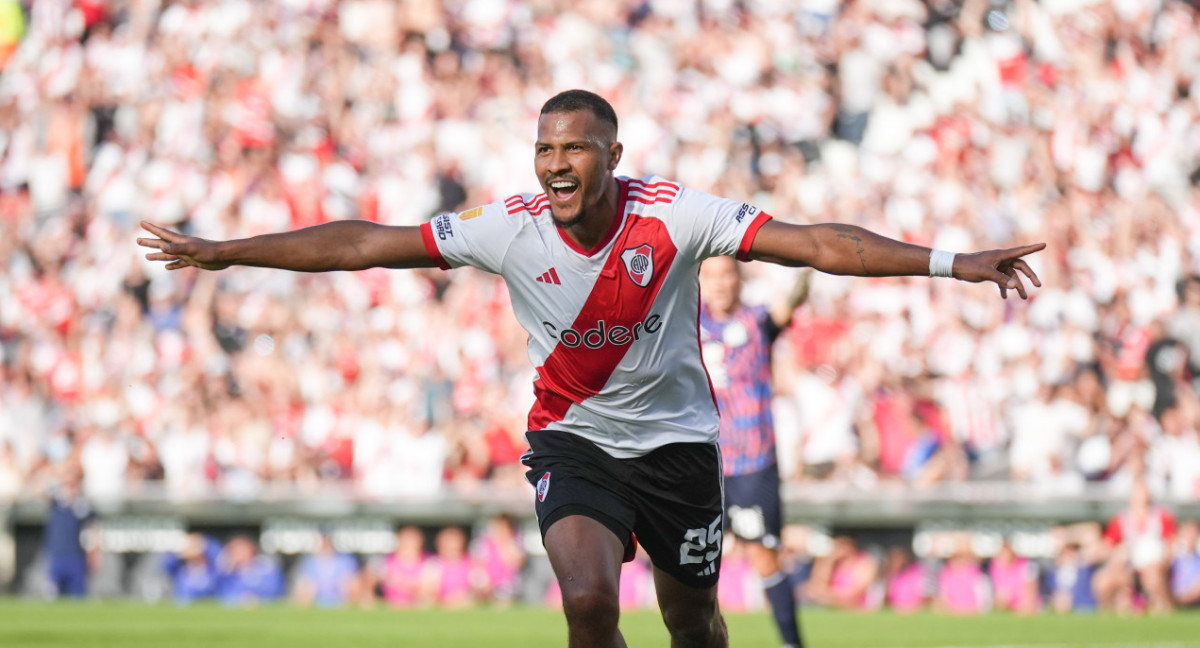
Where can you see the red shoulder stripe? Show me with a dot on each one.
(635, 182)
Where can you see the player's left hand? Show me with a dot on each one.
(1003, 267)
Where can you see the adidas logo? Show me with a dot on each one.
(708, 571)
(550, 276)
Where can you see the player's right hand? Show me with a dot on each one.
(1003, 267)
(179, 250)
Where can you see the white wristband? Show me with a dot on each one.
(941, 263)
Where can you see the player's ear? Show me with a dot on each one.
(614, 155)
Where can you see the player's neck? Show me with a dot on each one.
(597, 219)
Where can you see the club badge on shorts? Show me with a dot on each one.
(639, 261)
(543, 487)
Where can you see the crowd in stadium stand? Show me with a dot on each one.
(1142, 560)
(954, 125)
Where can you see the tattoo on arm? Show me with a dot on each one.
(844, 232)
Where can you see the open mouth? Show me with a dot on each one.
(563, 190)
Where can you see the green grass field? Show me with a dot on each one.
(121, 625)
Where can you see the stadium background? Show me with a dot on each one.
(283, 407)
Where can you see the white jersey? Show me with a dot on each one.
(613, 331)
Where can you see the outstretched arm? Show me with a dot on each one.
(340, 245)
(851, 250)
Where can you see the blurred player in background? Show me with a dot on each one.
(193, 570)
(246, 576)
(69, 517)
(736, 341)
(602, 273)
(327, 577)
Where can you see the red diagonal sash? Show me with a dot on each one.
(572, 375)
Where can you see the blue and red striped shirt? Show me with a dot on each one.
(737, 354)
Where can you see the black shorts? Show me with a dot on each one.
(752, 506)
(670, 499)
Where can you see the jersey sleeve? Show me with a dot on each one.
(478, 237)
(711, 226)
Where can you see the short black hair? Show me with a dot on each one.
(572, 100)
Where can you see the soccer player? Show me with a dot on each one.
(602, 271)
(735, 342)
(69, 515)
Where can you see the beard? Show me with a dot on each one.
(570, 222)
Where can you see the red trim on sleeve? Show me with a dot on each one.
(743, 253)
(431, 246)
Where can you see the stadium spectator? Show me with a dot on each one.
(637, 583)
(327, 578)
(105, 462)
(1141, 536)
(245, 577)
(1014, 580)
(846, 577)
(1081, 553)
(1185, 566)
(636, 586)
(1070, 582)
(193, 570)
(405, 581)
(1048, 430)
(740, 588)
(1184, 324)
(962, 585)
(458, 579)
(1167, 366)
(903, 430)
(499, 549)
(1175, 453)
(828, 400)
(10, 475)
(906, 580)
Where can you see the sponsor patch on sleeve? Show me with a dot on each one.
(443, 226)
(746, 210)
